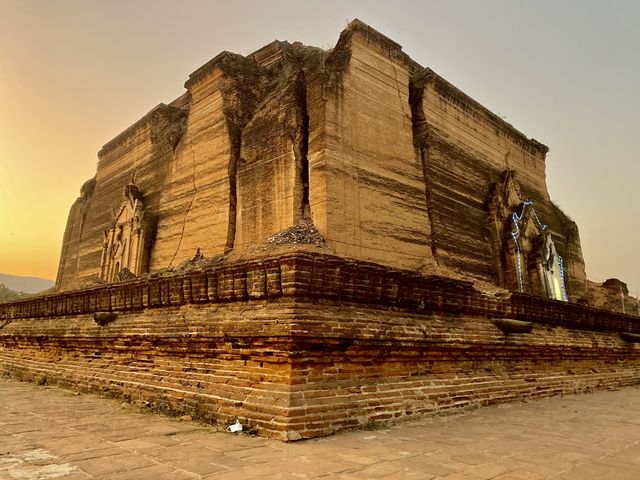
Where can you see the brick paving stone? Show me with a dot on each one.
(52, 433)
(99, 467)
(379, 470)
(158, 472)
(89, 454)
(227, 462)
(199, 466)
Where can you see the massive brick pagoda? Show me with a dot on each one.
(394, 175)
(390, 162)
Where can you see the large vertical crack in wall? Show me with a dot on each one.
(300, 141)
(234, 157)
(272, 171)
(419, 126)
(242, 90)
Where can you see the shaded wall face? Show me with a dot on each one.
(457, 124)
(465, 154)
(69, 260)
(576, 278)
(367, 192)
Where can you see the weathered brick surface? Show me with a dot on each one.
(307, 344)
(384, 158)
(309, 275)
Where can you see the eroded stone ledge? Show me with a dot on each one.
(318, 276)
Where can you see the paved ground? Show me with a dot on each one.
(51, 433)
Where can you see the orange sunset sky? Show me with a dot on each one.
(73, 74)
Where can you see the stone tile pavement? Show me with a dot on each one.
(48, 433)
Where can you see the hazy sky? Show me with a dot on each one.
(73, 74)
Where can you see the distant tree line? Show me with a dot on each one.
(7, 295)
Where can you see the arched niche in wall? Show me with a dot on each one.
(525, 254)
(126, 242)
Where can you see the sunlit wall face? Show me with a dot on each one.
(75, 73)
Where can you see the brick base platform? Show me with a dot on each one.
(305, 345)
